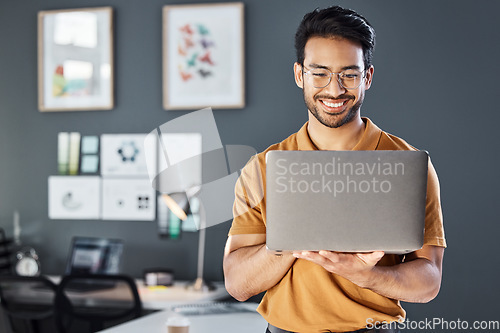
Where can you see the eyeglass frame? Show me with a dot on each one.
(337, 74)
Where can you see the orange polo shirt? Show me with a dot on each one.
(309, 299)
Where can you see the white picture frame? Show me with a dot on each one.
(73, 198)
(127, 199)
(123, 155)
(75, 59)
(203, 56)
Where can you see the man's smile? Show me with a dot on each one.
(333, 106)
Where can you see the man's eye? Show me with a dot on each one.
(319, 74)
(350, 76)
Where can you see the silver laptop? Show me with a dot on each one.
(346, 201)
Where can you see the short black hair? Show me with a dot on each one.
(336, 21)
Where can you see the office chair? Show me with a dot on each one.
(95, 301)
(5, 254)
(28, 302)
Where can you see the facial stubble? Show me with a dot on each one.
(333, 121)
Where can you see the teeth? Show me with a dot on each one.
(333, 105)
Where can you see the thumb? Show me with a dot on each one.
(377, 255)
(371, 258)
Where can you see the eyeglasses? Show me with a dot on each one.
(349, 78)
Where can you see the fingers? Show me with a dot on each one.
(312, 257)
(323, 256)
(370, 258)
(309, 255)
(352, 266)
(332, 256)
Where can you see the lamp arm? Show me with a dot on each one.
(200, 284)
(201, 242)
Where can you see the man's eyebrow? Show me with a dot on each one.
(313, 65)
(318, 66)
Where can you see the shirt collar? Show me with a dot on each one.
(369, 140)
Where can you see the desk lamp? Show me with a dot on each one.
(178, 203)
(175, 152)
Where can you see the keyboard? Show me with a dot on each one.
(212, 308)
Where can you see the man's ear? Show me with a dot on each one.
(299, 76)
(369, 77)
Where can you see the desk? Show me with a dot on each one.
(242, 322)
(160, 299)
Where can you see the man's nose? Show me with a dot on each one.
(335, 88)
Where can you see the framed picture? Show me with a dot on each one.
(203, 56)
(75, 59)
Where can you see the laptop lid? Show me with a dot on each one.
(90, 255)
(346, 201)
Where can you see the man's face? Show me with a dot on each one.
(333, 105)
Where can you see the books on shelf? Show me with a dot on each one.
(77, 154)
(74, 153)
(63, 153)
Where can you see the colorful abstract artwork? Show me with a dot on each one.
(195, 52)
(203, 56)
(72, 78)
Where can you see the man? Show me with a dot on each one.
(327, 291)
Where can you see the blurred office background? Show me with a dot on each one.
(435, 85)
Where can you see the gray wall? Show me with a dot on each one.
(435, 84)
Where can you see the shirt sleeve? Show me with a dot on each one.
(434, 229)
(248, 208)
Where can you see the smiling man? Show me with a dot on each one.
(327, 291)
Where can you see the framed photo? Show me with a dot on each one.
(75, 59)
(203, 56)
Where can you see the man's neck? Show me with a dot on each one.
(345, 137)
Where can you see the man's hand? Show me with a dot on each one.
(416, 279)
(352, 266)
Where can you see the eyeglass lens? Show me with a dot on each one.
(349, 79)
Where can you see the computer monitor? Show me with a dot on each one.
(90, 255)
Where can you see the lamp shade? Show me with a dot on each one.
(178, 203)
